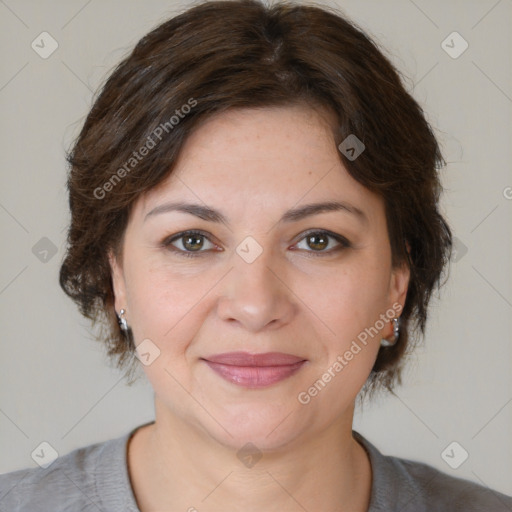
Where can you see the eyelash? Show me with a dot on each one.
(167, 243)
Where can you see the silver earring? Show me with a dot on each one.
(396, 332)
(122, 321)
(123, 324)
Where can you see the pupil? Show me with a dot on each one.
(321, 237)
(195, 239)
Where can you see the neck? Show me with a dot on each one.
(327, 471)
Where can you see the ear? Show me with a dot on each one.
(118, 282)
(399, 283)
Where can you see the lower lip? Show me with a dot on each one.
(254, 376)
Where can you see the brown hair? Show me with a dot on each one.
(221, 55)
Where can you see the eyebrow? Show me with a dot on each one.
(293, 215)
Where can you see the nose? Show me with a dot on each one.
(256, 295)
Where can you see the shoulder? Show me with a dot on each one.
(446, 492)
(79, 481)
(411, 486)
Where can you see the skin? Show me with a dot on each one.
(253, 165)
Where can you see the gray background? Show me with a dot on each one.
(55, 385)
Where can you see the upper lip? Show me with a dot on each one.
(247, 359)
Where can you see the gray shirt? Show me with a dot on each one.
(95, 479)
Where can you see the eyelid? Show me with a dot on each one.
(322, 231)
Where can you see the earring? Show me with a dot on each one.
(122, 321)
(123, 324)
(384, 342)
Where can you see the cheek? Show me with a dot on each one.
(163, 314)
(348, 308)
(351, 299)
(162, 304)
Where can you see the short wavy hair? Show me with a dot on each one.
(239, 54)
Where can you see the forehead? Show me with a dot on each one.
(268, 157)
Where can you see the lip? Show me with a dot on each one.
(247, 359)
(254, 370)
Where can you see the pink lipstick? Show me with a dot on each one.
(254, 370)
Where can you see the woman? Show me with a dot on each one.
(255, 218)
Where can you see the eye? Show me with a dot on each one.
(190, 241)
(319, 240)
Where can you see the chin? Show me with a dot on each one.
(267, 429)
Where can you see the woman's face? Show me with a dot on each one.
(256, 282)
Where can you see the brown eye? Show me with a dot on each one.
(319, 240)
(191, 243)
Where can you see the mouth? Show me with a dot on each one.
(254, 370)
